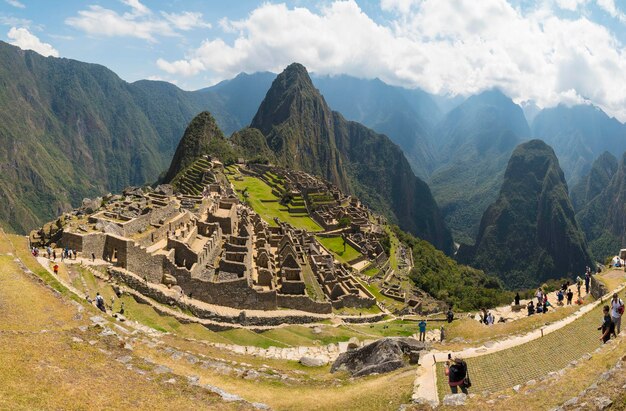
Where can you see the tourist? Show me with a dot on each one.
(539, 295)
(490, 319)
(100, 303)
(54, 255)
(587, 280)
(579, 283)
(560, 297)
(450, 315)
(517, 298)
(607, 326)
(531, 308)
(93, 257)
(539, 308)
(456, 370)
(570, 295)
(442, 334)
(545, 305)
(617, 309)
(422, 327)
(56, 269)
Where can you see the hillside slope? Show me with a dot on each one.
(530, 233)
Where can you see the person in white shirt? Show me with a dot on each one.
(617, 309)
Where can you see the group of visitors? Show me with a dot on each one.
(612, 320)
(51, 253)
(542, 303)
(68, 253)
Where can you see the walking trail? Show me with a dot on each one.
(425, 386)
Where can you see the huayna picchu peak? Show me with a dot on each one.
(305, 134)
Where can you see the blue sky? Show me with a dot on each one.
(544, 51)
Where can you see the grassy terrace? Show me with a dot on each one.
(336, 246)
(517, 365)
(261, 199)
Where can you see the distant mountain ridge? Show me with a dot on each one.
(305, 134)
(529, 234)
(473, 144)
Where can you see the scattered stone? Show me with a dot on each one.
(531, 382)
(251, 375)
(125, 359)
(454, 399)
(161, 369)
(127, 346)
(317, 330)
(191, 359)
(77, 340)
(353, 343)
(107, 332)
(570, 402)
(312, 361)
(517, 387)
(260, 406)
(171, 381)
(602, 403)
(93, 342)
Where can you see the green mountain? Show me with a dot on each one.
(592, 184)
(252, 145)
(71, 130)
(202, 137)
(473, 143)
(407, 117)
(579, 134)
(305, 134)
(602, 217)
(529, 234)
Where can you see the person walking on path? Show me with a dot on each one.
(607, 326)
(516, 298)
(570, 295)
(456, 370)
(442, 334)
(422, 327)
(587, 281)
(617, 309)
(539, 295)
(56, 269)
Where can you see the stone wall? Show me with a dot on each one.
(303, 303)
(597, 288)
(353, 301)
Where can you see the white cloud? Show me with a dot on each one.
(139, 22)
(24, 39)
(15, 3)
(186, 20)
(442, 46)
(609, 7)
(14, 21)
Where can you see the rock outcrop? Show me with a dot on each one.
(381, 356)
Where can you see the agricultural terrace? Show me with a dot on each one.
(259, 196)
(342, 250)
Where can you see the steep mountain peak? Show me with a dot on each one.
(529, 234)
(305, 134)
(202, 137)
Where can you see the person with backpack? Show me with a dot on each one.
(458, 377)
(570, 296)
(100, 303)
(617, 309)
(607, 326)
(450, 315)
(422, 327)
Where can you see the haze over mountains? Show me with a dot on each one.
(72, 130)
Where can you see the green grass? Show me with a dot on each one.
(336, 246)
(517, 365)
(371, 271)
(261, 199)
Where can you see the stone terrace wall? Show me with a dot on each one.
(353, 301)
(303, 303)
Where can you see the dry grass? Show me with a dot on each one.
(612, 278)
(328, 392)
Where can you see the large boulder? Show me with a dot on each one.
(381, 356)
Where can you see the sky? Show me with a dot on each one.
(544, 52)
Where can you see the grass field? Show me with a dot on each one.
(261, 199)
(336, 246)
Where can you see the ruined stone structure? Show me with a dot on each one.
(214, 249)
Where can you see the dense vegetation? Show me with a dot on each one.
(252, 145)
(464, 287)
(305, 134)
(530, 233)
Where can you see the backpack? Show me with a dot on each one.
(620, 309)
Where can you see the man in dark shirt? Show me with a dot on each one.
(607, 325)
